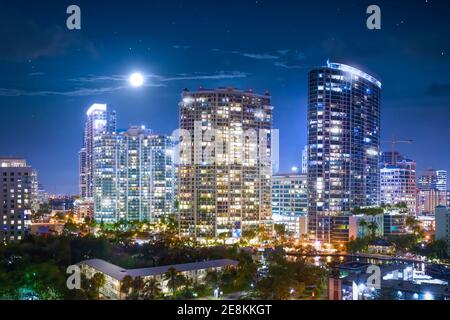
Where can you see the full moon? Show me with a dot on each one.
(136, 80)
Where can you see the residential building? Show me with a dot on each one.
(162, 176)
(114, 275)
(398, 183)
(133, 176)
(224, 183)
(99, 121)
(433, 179)
(290, 202)
(430, 199)
(441, 180)
(16, 198)
(84, 209)
(343, 146)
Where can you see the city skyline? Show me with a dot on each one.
(55, 82)
(243, 150)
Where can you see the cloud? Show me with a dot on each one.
(438, 89)
(250, 55)
(286, 58)
(178, 46)
(36, 74)
(199, 76)
(289, 66)
(96, 85)
(283, 52)
(4, 92)
(260, 56)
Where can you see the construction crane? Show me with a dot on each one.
(393, 142)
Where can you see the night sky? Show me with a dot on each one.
(49, 75)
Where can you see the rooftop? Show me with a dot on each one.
(354, 71)
(119, 273)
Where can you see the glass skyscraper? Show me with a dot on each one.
(99, 121)
(343, 147)
(133, 176)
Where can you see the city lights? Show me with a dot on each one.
(245, 167)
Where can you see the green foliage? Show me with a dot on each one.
(290, 280)
(358, 245)
(437, 249)
(369, 211)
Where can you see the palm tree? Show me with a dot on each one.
(137, 286)
(97, 282)
(373, 227)
(171, 276)
(127, 284)
(151, 289)
(212, 278)
(363, 225)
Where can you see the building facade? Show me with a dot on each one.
(114, 275)
(343, 145)
(162, 176)
(433, 179)
(398, 184)
(305, 160)
(133, 176)
(443, 225)
(228, 190)
(290, 202)
(430, 199)
(17, 198)
(99, 121)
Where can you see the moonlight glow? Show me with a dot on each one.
(136, 80)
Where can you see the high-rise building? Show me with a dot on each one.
(290, 202)
(433, 179)
(305, 160)
(16, 198)
(99, 121)
(343, 146)
(228, 191)
(448, 198)
(441, 180)
(162, 176)
(432, 186)
(430, 199)
(398, 183)
(133, 176)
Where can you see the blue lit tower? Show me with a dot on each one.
(343, 147)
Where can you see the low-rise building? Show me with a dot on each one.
(47, 229)
(114, 275)
(295, 226)
(394, 224)
(84, 208)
